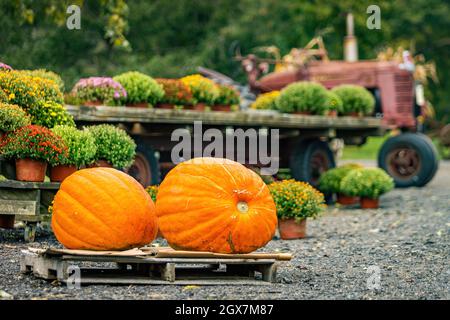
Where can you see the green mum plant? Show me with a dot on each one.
(34, 142)
(330, 180)
(113, 145)
(45, 74)
(49, 114)
(334, 102)
(153, 192)
(27, 91)
(80, 144)
(355, 99)
(12, 117)
(227, 96)
(303, 96)
(367, 183)
(295, 199)
(140, 88)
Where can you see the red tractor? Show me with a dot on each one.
(409, 157)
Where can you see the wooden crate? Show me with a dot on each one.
(153, 266)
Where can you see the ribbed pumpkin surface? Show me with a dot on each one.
(216, 205)
(103, 209)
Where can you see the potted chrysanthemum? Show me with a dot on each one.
(32, 147)
(295, 201)
(81, 151)
(369, 184)
(204, 91)
(96, 91)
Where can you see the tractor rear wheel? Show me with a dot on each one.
(145, 168)
(310, 159)
(410, 159)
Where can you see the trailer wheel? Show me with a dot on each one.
(410, 159)
(310, 159)
(145, 168)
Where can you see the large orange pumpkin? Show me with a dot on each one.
(103, 209)
(216, 205)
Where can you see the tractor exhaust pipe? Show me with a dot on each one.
(350, 42)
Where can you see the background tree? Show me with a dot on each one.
(170, 38)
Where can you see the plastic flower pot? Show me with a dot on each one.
(354, 114)
(346, 200)
(7, 221)
(59, 173)
(221, 107)
(30, 170)
(165, 106)
(101, 163)
(290, 229)
(367, 203)
(138, 105)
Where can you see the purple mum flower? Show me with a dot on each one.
(5, 66)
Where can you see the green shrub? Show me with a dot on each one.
(12, 117)
(27, 91)
(140, 88)
(355, 99)
(367, 183)
(303, 97)
(45, 74)
(295, 199)
(80, 144)
(334, 102)
(227, 96)
(50, 114)
(330, 180)
(113, 145)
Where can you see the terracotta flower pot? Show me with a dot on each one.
(221, 107)
(367, 203)
(346, 200)
(354, 114)
(59, 173)
(332, 113)
(92, 103)
(290, 229)
(196, 107)
(165, 106)
(138, 105)
(30, 170)
(7, 221)
(101, 163)
(304, 113)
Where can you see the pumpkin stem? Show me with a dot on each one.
(242, 206)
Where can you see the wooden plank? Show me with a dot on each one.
(165, 252)
(29, 185)
(18, 207)
(241, 118)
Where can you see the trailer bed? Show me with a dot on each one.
(239, 118)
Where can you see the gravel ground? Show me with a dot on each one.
(407, 240)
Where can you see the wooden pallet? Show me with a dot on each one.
(153, 266)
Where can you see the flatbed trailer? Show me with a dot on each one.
(303, 139)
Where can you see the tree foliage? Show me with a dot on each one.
(170, 38)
